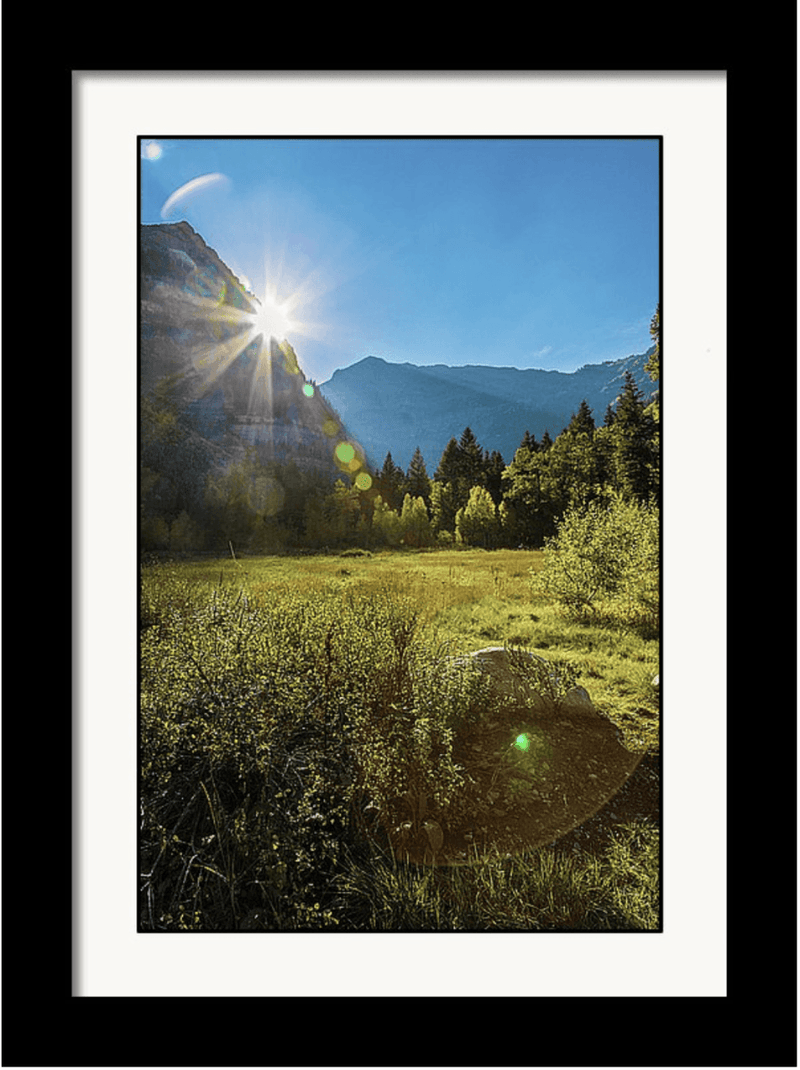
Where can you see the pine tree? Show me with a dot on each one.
(535, 491)
(472, 459)
(456, 466)
(390, 483)
(418, 483)
(634, 444)
(653, 365)
(494, 466)
(443, 509)
(449, 464)
(529, 442)
(582, 420)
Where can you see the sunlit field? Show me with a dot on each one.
(290, 704)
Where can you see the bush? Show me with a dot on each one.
(603, 563)
(276, 739)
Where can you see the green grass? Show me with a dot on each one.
(271, 745)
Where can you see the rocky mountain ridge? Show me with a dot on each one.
(200, 345)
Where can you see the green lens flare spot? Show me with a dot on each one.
(363, 481)
(522, 742)
(345, 452)
(308, 390)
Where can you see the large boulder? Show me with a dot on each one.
(532, 773)
(533, 681)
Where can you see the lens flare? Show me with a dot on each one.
(189, 190)
(308, 390)
(363, 480)
(522, 742)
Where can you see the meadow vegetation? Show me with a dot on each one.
(292, 708)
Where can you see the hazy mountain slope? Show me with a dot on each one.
(396, 407)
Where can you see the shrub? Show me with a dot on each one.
(603, 563)
(276, 738)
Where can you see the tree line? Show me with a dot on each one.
(473, 498)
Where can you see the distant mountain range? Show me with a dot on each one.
(393, 408)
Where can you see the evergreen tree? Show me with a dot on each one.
(418, 483)
(582, 421)
(462, 466)
(653, 365)
(390, 483)
(634, 445)
(537, 490)
(448, 469)
(472, 460)
(573, 469)
(529, 442)
(443, 509)
(453, 469)
(494, 466)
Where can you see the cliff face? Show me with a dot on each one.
(192, 307)
(200, 347)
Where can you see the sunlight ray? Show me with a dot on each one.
(211, 361)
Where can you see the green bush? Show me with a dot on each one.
(275, 739)
(603, 563)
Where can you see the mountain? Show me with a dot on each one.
(201, 353)
(397, 407)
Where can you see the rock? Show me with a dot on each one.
(500, 665)
(577, 700)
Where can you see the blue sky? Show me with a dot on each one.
(529, 253)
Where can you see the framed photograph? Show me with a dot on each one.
(132, 129)
(308, 237)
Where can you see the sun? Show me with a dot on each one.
(273, 318)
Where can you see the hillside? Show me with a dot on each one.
(397, 407)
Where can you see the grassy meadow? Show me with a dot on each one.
(294, 707)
